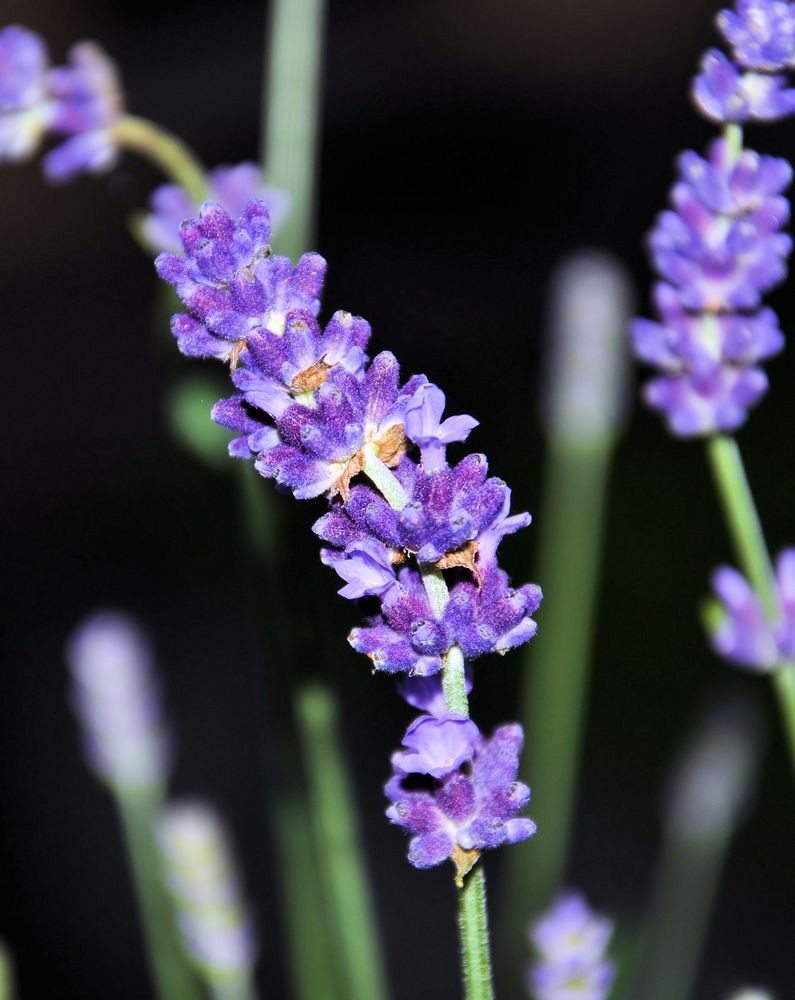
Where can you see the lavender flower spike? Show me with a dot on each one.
(25, 109)
(216, 929)
(571, 941)
(115, 696)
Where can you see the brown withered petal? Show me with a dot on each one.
(311, 378)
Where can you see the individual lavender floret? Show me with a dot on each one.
(425, 427)
(724, 94)
(115, 696)
(571, 941)
(427, 693)
(761, 34)
(87, 103)
(366, 566)
(217, 930)
(407, 637)
(453, 515)
(231, 186)
(24, 103)
(436, 745)
(232, 283)
(746, 636)
(466, 812)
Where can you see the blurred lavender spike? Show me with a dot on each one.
(588, 364)
(217, 930)
(116, 698)
(751, 993)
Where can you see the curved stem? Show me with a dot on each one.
(473, 922)
(745, 528)
(166, 151)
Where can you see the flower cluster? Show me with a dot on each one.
(316, 414)
(746, 635)
(720, 246)
(81, 101)
(231, 186)
(571, 941)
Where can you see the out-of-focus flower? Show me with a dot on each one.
(571, 941)
(216, 928)
(25, 109)
(115, 696)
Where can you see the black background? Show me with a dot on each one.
(466, 147)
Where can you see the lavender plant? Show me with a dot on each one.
(718, 250)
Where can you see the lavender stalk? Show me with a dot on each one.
(586, 376)
(718, 250)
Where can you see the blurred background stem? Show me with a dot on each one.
(172, 976)
(585, 388)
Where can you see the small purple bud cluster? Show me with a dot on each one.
(231, 186)
(81, 100)
(315, 413)
(746, 635)
(720, 246)
(571, 941)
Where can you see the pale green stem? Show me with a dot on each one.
(472, 913)
(166, 151)
(745, 529)
(233, 989)
(291, 114)
(338, 847)
(138, 811)
(7, 991)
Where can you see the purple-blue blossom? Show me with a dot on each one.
(366, 566)
(425, 427)
(232, 187)
(81, 100)
(436, 745)
(571, 941)
(427, 693)
(724, 94)
(746, 635)
(472, 809)
(761, 34)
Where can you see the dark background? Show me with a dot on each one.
(466, 147)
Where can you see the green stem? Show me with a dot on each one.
(291, 114)
(166, 151)
(233, 989)
(138, 812)
(745, 528)
(472, 913)
(338, 846)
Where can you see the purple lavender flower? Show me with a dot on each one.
(115, 697)
(427, 693)
(232, 283)
(366, 567)
(425, 427)
(406, 636)
(454, 516)
(571, 941)
(723, 94)
(87, 103)
(25, 109)
(761, 34)
(465, 813)
(437, 745)
(746, 636)
(231, 186)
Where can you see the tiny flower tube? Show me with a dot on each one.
(571, 941)
(115, 696)
(217, 931)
